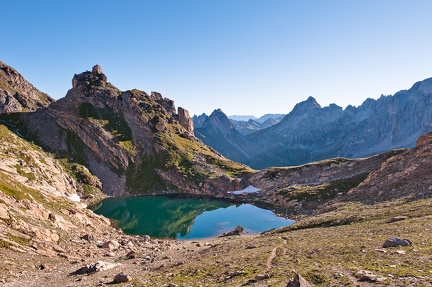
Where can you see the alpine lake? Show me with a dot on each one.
(185, 218)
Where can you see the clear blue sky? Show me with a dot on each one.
(243, 56)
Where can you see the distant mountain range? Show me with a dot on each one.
(245, 124)
(311, 132)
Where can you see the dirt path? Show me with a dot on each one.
(273, 255)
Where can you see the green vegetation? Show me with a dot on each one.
(321, 192)
(12, 188)
(112, 123)
(19, 240)
(28, 175)
(183, 154)
(4, 244)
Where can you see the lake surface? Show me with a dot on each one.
(185, 218)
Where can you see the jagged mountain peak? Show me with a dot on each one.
(90, 80)
(218, 112)
(220, 116)
(308, 105)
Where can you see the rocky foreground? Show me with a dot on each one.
(47, 239)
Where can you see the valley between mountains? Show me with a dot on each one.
(57, 157)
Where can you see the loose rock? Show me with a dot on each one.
(368, 276)
(394, 242)
(111, 245)
(260, 277)
(122, 277)
(298, 281)
(95, 267)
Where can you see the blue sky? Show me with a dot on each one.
(246, 57)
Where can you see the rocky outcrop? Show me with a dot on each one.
(300, 189)
(185, 120)
(424, 139)
(132, 141)
(404, 175)
(18, 95)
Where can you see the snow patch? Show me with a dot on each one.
(249, 189)
(75, 197)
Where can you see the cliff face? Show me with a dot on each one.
(18, 95)
(311, 132)
(134, 142)
(39, 212)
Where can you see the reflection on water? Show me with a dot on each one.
(185, 218)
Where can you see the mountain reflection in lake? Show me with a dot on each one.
(185, 218)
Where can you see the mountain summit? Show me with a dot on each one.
(135, 142)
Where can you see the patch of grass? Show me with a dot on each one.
(19, 240)
(128, 146)
(12, 188)
(5, 244)
(181, 153)
(322, 192)
(28, 175)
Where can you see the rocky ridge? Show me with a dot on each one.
(134, 142)
(18, 95)
(301, 189)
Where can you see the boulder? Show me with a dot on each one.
(237, 231)
(88, 237)
(121, 278)
(261, 277)
(298, 281)
(394, 242)
(111, 245)
(368, 276)
(95, 267)
(145, 238)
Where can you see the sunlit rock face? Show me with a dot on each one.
(18, 95)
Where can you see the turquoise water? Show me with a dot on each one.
(185, 218)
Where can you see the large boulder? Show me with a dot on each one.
(237, 231)
(298, 281)
(395, 242)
